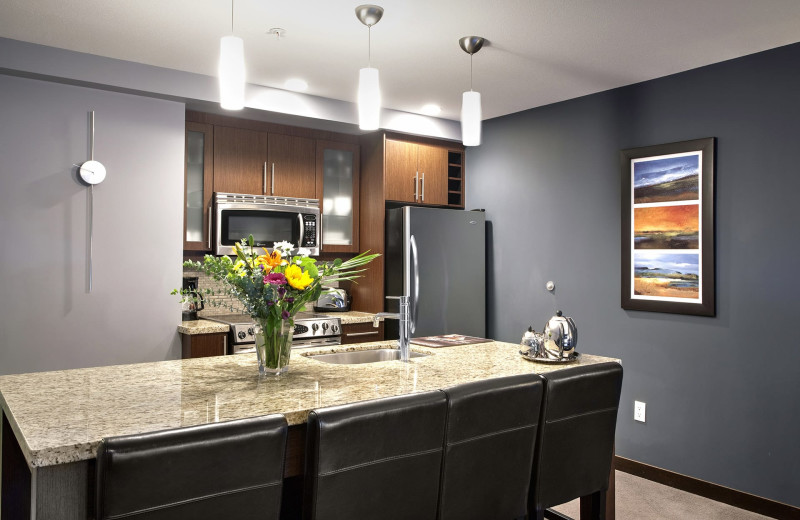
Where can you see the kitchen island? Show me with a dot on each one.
(53, 422)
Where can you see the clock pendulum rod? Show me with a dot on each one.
(91, 201)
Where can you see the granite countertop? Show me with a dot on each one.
(61, 416)
(351, 317)
(202, 327)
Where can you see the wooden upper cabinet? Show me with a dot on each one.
(415, 172)
(400, 171)
(240, 158)
(432, 166)
(291, 168)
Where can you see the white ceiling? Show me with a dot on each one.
(540, 51)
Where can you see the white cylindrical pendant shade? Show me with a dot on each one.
(231, 73)
(369, 99)
(471, 118)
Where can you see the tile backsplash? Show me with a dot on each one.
(222, 302)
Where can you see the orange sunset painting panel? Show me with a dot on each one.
(666, 227)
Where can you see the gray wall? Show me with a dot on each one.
(722, 393)
(48, 320)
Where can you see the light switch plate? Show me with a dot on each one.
(638, 411)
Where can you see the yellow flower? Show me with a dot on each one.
(297, 278)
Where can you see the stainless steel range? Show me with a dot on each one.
(310, 330)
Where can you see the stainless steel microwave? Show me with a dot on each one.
(268, 219)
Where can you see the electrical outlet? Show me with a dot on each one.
(638, 411)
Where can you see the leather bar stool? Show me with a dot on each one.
(575, 443)
(231, 470)
(490, 437)
(377, 459)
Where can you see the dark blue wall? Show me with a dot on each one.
(722, 393)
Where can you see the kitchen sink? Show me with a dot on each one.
(356, 357)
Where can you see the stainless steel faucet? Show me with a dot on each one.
(406, 325)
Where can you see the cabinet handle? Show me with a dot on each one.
(210, 217)
(264, 185)
(423, 186)
(224, 344)
(416, 185)
(272, 189)
(370, 333)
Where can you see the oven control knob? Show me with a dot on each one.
(241, 334)
(324, 327)
(335, 329)
(314, 327)
(250, 331)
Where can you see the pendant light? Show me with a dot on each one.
(471, 101)
(369, 90)
(231, 70)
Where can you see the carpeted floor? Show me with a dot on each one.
(641, 499)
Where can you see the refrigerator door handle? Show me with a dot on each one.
(415, 283)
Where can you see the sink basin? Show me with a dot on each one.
(363, 356)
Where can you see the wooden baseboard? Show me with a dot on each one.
(740, 499)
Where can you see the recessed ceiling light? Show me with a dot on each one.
(296, 84)
(431, 110)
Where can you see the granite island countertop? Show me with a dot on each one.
(61, 416)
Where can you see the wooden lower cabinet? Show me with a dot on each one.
(204, 345)
(361, 333)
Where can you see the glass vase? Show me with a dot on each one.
(273, 346)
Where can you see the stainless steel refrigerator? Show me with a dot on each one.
(438, 257)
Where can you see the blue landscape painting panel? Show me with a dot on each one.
(666, 179)
(666, 275)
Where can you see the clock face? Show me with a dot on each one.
(93, 172)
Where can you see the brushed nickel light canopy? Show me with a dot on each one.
(369, 14)
(471, 101)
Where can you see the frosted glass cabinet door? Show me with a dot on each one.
(337, 189)
(197, 186)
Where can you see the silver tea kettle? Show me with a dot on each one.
(560, 335)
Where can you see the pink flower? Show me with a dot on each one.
(275, 279)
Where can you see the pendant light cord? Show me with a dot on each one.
(470, 72)
(369, 46)
(232, 2)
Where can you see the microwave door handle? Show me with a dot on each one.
(302, 230)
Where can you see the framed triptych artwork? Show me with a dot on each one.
(668, 228)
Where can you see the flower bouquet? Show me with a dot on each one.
(273, 287)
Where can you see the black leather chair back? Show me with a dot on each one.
(230, 470)
(575, 443)
(376, 459)
(490, 436)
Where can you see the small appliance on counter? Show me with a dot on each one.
(332, 300)
(195, 302)
(555, 345)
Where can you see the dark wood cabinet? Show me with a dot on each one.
(432, 166)
(198, 179)
(415, 172)
(361, 333)
(204, 345)
(401, 174)
(240, 161)
(261, 163)
(291, 166)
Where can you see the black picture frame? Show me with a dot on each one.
(668, 232)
